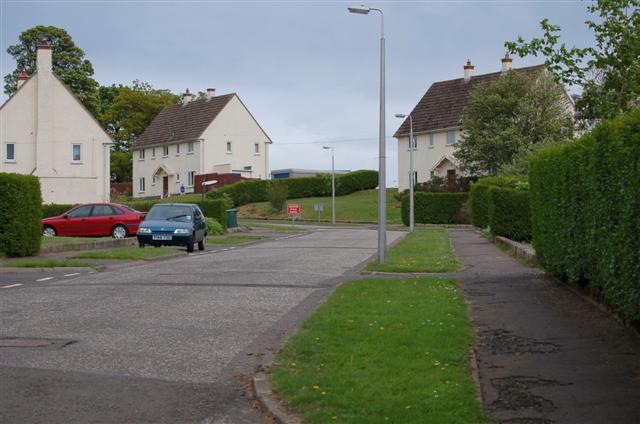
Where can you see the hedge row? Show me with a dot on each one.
(55, 209)
(20, 214)
(211, 208)
(435, 208)
(252, 191)
(585, 206)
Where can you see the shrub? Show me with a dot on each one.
(243, 192)
(214, 227)
(356, 181)
(317, 186)
(141, 205)
(20, 214)
(216, 209)
(53, 209)
(509, 213)
(585, 211)
(277, 193)
(480, 200)
(435, 208)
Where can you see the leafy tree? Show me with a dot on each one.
(68, 62)
(121, 166)
(609, 71)
(509, 118)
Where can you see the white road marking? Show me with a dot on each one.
(72, 274)
(44, 279)
(9, 286)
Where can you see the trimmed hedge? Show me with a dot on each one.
(317, 186)
(356, 181)
(585, 210)
(20, 214)
(509, 213)
(243, 192)
(435, 208)
(55, 209)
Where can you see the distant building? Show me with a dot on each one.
(214, 135)
(298, 173)
(45, 131)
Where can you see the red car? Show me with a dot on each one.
(95, 219)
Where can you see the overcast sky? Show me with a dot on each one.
(308, 71)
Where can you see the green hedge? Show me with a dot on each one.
(55, 209)
(211, 208)
(585, 211)
(243, 192)
(435, 208)
(356, 181)
(20, 214)
(479, 203)
(318, 186)
(509, 213)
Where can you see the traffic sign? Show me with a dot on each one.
(293, 209)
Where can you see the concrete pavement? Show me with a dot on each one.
(166, 341)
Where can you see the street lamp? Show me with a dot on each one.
(411, 179)
(382, 189)
(333, 186)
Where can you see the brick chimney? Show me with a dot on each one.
(22, 78)
(186, 97)
(506, 63)
(468, 70)
(211, 92)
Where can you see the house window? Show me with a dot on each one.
(10, 152)
(165, 151)
(153, 153)
(177, 177)
(432, 174)
(141, 154)
(256, 148)
(153, 180)
(431, 140)
(141, 185)
(190, 147)
(414, 142)
(451, 137)
(191, 177)
(228, 147)
(76, 152)
(177, 149)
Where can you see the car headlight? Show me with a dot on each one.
(182, 231)
(144, 230)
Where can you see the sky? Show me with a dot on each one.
(307, 70)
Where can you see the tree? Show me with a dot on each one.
(69, 63)
(121, 166)
(608, 72)
(509, 118)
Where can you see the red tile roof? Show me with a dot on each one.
(442, 105)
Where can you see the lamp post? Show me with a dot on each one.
(411, 179)
(382, 189)
(333, 185)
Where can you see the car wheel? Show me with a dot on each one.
(119, 232)
(201, 245)
(49, 231)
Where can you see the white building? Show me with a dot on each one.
(45, 131)
(437, 125)
(216, 134)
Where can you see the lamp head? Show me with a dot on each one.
(326, 147)
(400, 115)
(361, 10)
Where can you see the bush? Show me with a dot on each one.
(509, 213)
(243, 192)
(356, 181)
(53, 209)
(435, 208)
(216, 209)
(20, 214)
(480, 200)
(585, 211)
(141, 205)
(214, 227)
(277, 194)
(317, 186)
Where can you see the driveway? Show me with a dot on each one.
(167, 341)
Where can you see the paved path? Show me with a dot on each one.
(166, 341)
(545, 354)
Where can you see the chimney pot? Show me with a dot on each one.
(507, 63)
(186, 97)
(22, 77)
(44, 45)
(468, 70)
(211, 92)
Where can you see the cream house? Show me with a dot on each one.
(215, 134)
(45, 131)
(437, 125)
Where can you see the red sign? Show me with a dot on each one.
(293, 209)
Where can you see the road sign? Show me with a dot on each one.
(293, 209)
(318, 207)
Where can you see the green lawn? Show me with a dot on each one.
(69, 240)
(239, 239)
(382, 351)
(278, 228)
(45, 263)
(128, 253)
(425, 250)
(358, 206)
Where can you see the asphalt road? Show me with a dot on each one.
(166, 341)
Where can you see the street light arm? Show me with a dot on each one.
(381, 21)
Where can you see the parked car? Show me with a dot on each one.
(173, 224)
(95, 219)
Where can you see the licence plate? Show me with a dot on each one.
(161, 237)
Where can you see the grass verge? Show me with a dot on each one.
(425, 250)
(128, 253)
(46, 263)
(278, 227)
(47, 241)
(382, 351)
(239, 239)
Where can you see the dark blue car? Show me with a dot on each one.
(173, 224)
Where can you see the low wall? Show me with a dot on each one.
(95, 244)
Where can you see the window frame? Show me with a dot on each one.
(432, 140)
(165, 149)
(256, 148)
(177, 149)
(6, 153)
(451, 137)
(190, 148)
(73, 146)
(141, 154)
(191, 178)
(141, 185)
(413, 144)
(229, 147)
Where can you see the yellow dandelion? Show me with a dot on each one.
(316, 387)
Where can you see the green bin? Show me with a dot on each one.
(232, 218)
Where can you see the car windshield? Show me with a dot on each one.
(170, 213)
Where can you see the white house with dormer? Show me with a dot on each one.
(211, 135)
(45, 131)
